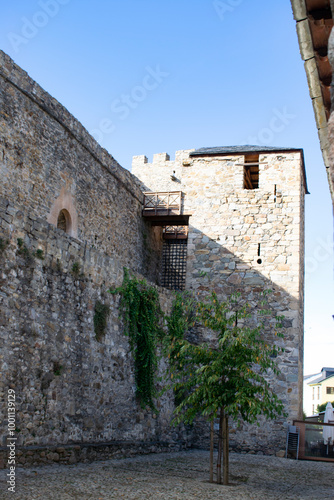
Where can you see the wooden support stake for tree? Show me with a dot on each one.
(211, 451)
(220, 447)
(225, 450)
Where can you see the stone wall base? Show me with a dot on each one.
(86, 452)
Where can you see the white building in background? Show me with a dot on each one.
(318, 389)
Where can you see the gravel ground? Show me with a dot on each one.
(174, 476)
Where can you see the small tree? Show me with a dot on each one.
(322, 407)
(225, 380)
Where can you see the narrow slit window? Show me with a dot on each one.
(251, 171)
(259, 260)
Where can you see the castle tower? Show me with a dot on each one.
(246, 233)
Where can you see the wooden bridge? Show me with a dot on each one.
(164, 209)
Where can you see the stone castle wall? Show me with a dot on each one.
(70, 388)
(245, 240)
(49, 162)
(76, 395)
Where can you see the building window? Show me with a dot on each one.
(251, 171)
(64, 221)
(312, 409)
(313, 392)
(329, 390)
(318, 391)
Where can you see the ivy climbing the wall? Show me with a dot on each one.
(101, 312)
(142, 317)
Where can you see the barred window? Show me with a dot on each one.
(174, 260)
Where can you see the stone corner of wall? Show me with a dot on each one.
(299, 9)
(183, 154)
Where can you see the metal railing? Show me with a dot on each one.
(316, 440)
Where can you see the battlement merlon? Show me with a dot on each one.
(162, 159)
(139, 160)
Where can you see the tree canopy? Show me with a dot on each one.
(226, 377)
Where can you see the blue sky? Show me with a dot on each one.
(148, 76)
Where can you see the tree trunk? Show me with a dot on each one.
(220, 447)
(211, 451)
(225, 450)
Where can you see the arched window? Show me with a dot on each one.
(64, 221)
